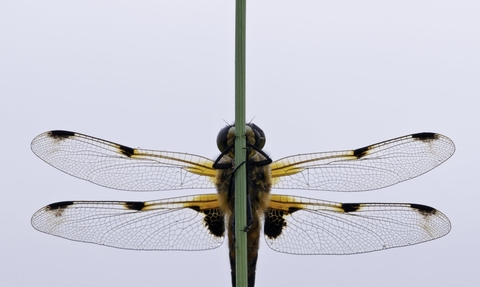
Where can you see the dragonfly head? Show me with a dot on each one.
(254, 135)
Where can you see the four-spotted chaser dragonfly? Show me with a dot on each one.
(292, 224)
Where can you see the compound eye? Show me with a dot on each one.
(224, 137)
(260, 138)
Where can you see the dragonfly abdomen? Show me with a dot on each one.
(258, 193)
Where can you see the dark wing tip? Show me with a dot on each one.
(423, 209)
(59, 205)
(425, 136)
(60, 134)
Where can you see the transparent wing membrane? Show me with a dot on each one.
(306, 226)
(169, 224)
(371, 167)
(321, 227)
(292, 224)
(116, 166)
(121, 167)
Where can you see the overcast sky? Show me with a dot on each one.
(321, 76)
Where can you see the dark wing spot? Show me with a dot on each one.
(292, 209)
(360, 152)
(423, 209)
(214, 221)
(61, 134)
(350, 207)
(196, 208)
(274, 222)
(425, 136)
(127, 151)
(59, 205)
(134, 205)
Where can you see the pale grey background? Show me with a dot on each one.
(322, 75)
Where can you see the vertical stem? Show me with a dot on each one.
(240, 146)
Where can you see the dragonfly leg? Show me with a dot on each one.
(218, 165)
(264, 162)
(249, 214)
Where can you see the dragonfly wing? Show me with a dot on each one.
(299, 225)
(371, 167)
(117, 166)
(184, 223)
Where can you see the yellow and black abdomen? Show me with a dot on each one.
(258, 192)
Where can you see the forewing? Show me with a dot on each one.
(184, 223)
(299, 225)
(117, 166)
(371, 167)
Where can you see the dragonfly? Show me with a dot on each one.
(291, 224)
